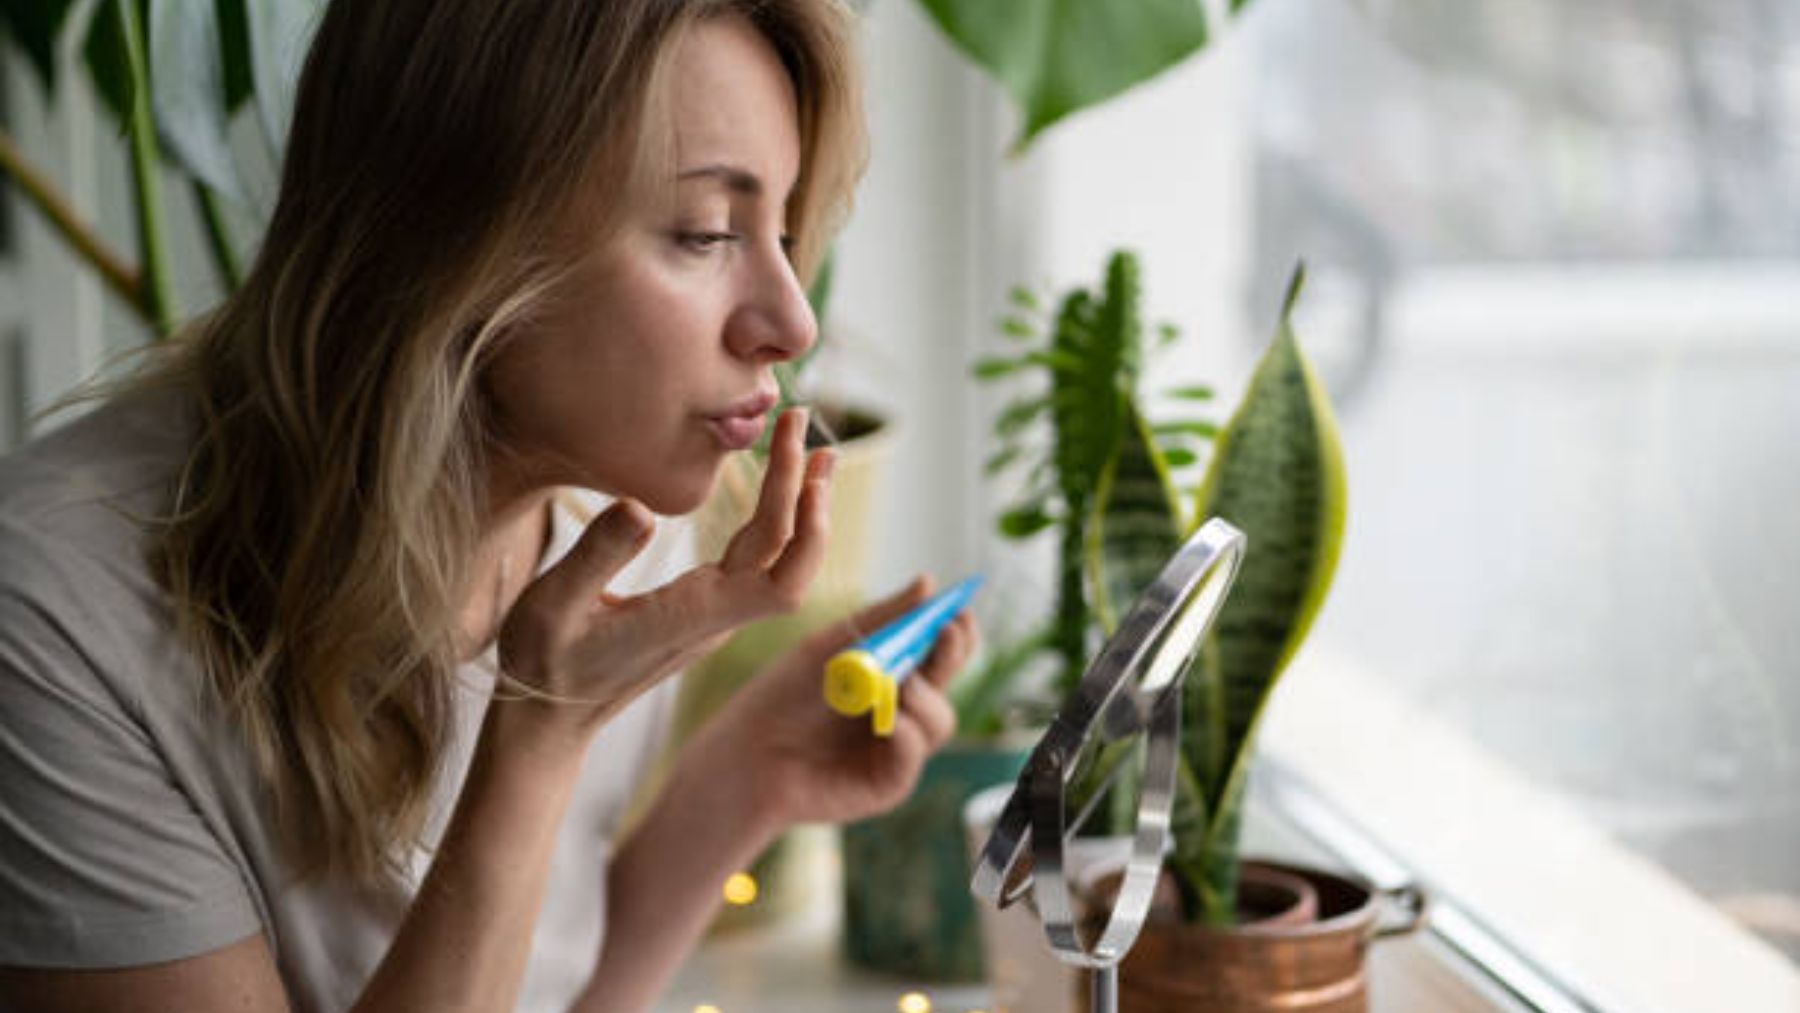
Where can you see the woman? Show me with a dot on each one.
(249, 758)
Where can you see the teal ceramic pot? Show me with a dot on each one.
(907, 907)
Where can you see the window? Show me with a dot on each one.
(1555, 288)
(1562, 317)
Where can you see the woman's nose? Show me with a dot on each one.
(774, 322)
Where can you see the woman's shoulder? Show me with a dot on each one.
(100, 473)
(75, 509)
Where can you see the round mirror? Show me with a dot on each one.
(1113, 748)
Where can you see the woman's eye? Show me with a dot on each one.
(705, 242)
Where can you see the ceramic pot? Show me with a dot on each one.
(907, 906)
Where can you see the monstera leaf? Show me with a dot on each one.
(1059, 56)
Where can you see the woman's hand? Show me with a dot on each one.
(806, 763)
(567, 639)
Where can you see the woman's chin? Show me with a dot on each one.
(678, 495)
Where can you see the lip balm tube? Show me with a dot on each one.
(866, 676)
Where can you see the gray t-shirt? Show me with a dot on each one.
(132, 828)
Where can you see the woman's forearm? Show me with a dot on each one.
(466, 938)
(665, 883)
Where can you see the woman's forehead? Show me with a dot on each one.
(733, 114)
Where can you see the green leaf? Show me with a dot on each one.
(1017, 415)
(279, 32)
(103, 50)
(998, 366)
(1000, 460)
(1091, 378)
(1025, 521)
(1056, 57)
(1017, 327)
(187, 91)
(1135, 525)
(1186, 427)
(977, 696)
(1194, 393)
(37, 25)
(1277, 473)
(1179, 457)
(1024, 298)
(818, 294)
(234, 52)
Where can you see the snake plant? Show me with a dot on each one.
(1107, 482)
(1277, 473)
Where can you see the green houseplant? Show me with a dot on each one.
(172, 76)
(1276, 472)
(907, 907)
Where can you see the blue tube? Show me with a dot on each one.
(867, 675)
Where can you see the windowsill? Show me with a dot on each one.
(1620, 931)
(795, 966)
(1611, 924)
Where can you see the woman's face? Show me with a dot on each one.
(653, 363)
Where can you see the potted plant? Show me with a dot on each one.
(1221, 937)
(907, 907)
(929, 929)
(172, 76)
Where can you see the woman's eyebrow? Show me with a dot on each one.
(735, 179)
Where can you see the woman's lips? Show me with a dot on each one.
(736, 432)
(738, 426)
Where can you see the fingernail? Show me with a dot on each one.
(828, 465)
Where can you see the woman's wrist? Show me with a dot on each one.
(719, 766)
(526, 737)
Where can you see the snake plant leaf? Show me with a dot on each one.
(187, 91)
(1188, 825)
(279, 32)
(35, 26)
(1277, 473)
(1056, 57)
(1135, 525)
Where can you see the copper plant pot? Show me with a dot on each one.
(1267, 963)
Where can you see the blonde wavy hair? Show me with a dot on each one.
(317, 551)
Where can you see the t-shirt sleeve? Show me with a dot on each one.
(104, 860)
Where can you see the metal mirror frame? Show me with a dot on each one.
(1164, 628)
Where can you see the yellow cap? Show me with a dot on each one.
(855, 684)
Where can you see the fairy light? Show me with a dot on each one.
(740, 889)
(915, 1002)
(706, 1008)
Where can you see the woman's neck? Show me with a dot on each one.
(515, 535)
